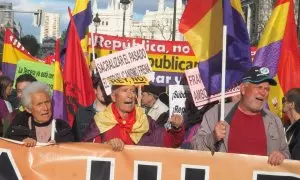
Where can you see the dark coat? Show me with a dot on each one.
(83, 117)
(19, 129)
(293, 137)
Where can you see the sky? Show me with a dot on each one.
(60, 6)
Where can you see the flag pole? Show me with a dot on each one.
(139, 100)
(222, 115)
(93, 50)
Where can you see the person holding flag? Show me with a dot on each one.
(248, 127)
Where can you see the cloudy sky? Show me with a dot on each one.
(60, 6)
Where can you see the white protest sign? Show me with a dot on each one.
(198, 90)
(177, 98)
(131, 62)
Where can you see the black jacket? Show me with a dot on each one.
(19, 129)
(82, 120)
(293, 137)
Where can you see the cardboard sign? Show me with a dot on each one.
(131, 62)
(141, 80)
(41, 71)
(168, 59)
(177, 97)
(198, 91)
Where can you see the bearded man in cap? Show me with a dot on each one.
(122, 122)
(248, 127)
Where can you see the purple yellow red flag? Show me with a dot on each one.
(202, 26)
(278, 50)
(77, 81)
(58, 100)
(82, 15)
(13, 51)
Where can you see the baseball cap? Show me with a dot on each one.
(258, 75)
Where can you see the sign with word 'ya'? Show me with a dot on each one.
(141, 80)
(41, 71)
(198, 91)
(131, 62)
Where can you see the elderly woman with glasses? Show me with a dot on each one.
(291, 106)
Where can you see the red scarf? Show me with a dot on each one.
(124, 124)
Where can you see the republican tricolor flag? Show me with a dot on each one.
(202, 24)
(278, 50)
(82, 15)
(58, 99)
(13, 51)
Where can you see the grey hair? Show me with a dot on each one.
(33, 88)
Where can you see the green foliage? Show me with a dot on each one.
(31, 44)
(63, 37)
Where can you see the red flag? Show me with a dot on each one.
(77, 81)
(49, 59)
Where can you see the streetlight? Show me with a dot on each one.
(124, 4)
(37, 18)
(96, 21)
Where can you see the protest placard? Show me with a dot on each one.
(198, 91)
(168, 59)
(41, 71)
(132, 62)
(141, 80)
(177, 97)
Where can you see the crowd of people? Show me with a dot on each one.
(248, 127)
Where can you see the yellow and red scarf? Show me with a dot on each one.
(136, 125)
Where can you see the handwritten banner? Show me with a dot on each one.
(41, 71)
(131, 62)
(198, 91)
(177, 97)
(168, 59)
(97, 161)
(141, 80)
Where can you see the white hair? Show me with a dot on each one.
(33, 88)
